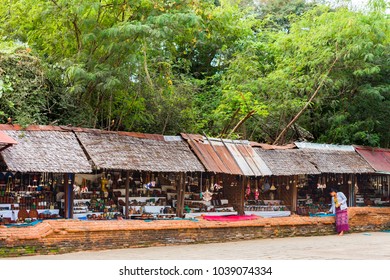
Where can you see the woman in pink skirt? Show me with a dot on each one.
(340, 208)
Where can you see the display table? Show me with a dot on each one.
(198, 214)
(13, 214)
(152, 216)
(269, 214)
(264, 214)
(142, 199)
(147, 209)
(83, 216)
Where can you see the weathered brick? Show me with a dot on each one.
(63, 236)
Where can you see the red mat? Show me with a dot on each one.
(230, 218)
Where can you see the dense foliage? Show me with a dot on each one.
(268, 70)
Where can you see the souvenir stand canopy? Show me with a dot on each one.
(231, 165)
(290, 171)
(340, 167)
(146, 175)
(374, 189)
(38, 168)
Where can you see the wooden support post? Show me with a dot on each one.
(180, 189)
(69, 197)
(294, 195)
(127, 183)
(71, 204)
(178, 195)
(66, 196)
(241, 196)
(351, 191)
(183, 192)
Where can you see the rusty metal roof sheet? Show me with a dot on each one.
(7, 140)
(378, 158)
(227, 156)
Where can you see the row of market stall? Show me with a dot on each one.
(52, 172)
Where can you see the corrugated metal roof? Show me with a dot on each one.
(317, 146)
(173, 138)
(227, 156)
(378, 158)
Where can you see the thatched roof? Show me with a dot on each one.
(330, 158)
(337, 161)
(287, 162)
(40, 149)
(143, 152)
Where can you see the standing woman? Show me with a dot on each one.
(340, 208)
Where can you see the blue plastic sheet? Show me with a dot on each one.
(25, 224)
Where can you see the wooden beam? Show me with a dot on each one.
(241, 196)
(294, 194)
(127, 183)
(5, 147)
(69, 197)
(180, 191)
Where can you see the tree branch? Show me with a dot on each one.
(250, 114)
(77, 33)
(146, 68)
(284, 131)
(230, 122)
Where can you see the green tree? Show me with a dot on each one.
(27, 94)
(340, 55)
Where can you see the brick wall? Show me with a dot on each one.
(62, 236)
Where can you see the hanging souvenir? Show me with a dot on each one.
(266, 186)
(76, 189)
(104, 182)
(207, 196)
(150, 185)
(217, 187)
(109, 181)
(212, 184)
(248, 189)
(257, 194)
(9, 184)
